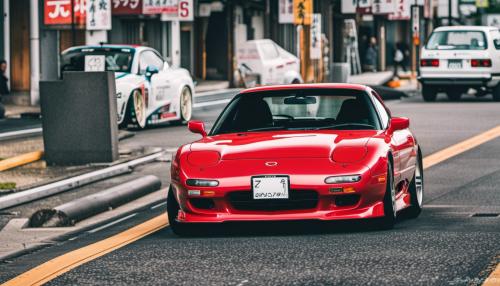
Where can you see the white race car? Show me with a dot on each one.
(148, 90)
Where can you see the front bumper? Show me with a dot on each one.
(308, 201)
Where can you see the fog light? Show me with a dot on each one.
(194, 192)
(202, 183)
(343, 179)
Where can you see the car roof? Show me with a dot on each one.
(306, 86)
(462, 28)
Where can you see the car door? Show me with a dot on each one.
(271, 63)
(159, 82)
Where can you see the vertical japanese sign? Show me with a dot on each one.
(316, 37)
(58, 12)
(402, 10)
(98, 15)
(186, 10)
(383, 7)
(415, 20)
(302, 12)
(285, 15)
(127, 7)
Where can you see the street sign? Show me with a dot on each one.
(402, 10)
(58, 12)
(127, 7)
(302, 12)
(186, 10)
(285, 15)
(383, 7)
(98, 15)
(364, 6)
(315, 53)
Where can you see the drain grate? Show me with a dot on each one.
(486, 215)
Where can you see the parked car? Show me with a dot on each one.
(314, 152)
(148, 90)
(270, 62)
(457, 58)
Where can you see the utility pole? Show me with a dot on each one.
(73, 28)
(449, 12)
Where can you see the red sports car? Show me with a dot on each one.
(298, 152)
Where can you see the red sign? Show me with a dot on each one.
(127, 7)
(59, 12)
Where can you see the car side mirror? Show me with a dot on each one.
(399, 123)
(196, 126)
(151, 70)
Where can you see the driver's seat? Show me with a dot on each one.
(253, 114)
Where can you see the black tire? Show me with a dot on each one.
(429, 93)
(416, 190)
(389, 218)
(180, 229)
(496, 93)
(454, 94)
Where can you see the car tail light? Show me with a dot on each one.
(429, 63)
(476, 63)
(203, 158)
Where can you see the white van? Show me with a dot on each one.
(457, 58)
(270, 62)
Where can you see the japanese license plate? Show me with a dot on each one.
(270, 187)
(455, 64)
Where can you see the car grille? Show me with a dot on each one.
(298, 200)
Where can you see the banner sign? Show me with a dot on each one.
(402, 12)
(127, 7)
(302, 12)
(315, 52)
(58, 12)
(383, 7)
(285, 12)
(98, 15)
(169, 7)
(349, 6)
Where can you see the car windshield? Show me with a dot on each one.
(313, 109)
(116, 59)
(457, 40)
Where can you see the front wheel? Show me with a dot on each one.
(416, 190)
(389, 218)
(180, 229)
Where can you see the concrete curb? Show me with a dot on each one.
(70, 213)
(20, 160)
(73, 182)
(86, 225)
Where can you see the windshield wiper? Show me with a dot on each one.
(346, 125)
(266, 128)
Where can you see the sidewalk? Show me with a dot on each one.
(371, 78)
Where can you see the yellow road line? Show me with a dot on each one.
(20, 160)
(461, 147)
(494, 278)
(64, 263)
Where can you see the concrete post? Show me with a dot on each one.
(49, 50)
(34, 53)
(176, 43)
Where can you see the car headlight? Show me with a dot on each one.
(343, 179)
(202, 183)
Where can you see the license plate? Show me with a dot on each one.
(270, 187)
(455, 64)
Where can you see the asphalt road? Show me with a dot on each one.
(456, 240)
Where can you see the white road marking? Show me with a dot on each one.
(158, 205)
(111, 223)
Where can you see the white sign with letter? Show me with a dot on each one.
(186, 10)
(285, 12)
(95, 63)
(98, 15)
(315, 52)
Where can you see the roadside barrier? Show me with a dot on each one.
(70, 213)
(20, 160)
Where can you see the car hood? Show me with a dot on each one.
(267, 145)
